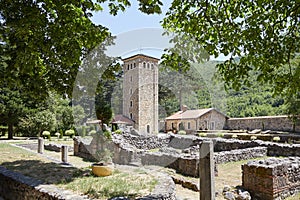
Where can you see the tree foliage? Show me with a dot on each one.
(264, 35)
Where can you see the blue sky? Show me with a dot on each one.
(129, 20)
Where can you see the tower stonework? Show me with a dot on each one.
(140, 92)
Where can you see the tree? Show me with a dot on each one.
(43, 42)
(264, 35)
(12, 108)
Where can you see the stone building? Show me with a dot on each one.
(193, 120)
(140, 92)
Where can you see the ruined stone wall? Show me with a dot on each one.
(241, 154)
(143, 142)
(275, 123)
(273, 178)
(56, 147)
(15, 186)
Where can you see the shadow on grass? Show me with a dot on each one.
(49, 173)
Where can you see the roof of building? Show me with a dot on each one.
(96, 121)
(191, 114)
(121, 119)
(142, 55)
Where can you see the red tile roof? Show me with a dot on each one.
(191, 114)
(121, 119)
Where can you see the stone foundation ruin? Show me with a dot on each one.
(181, 152)
(273, 178)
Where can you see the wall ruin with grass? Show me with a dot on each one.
(15, 186)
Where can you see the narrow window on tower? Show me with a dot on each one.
(148, 128)
(130, 91)
(131, 116)
(128, 67)
(134, 65)
(131, 103)
(131, 78)
(131, 66)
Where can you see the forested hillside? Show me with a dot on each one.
(201, 87)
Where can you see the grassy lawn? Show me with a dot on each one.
(122, 183)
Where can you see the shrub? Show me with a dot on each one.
(253, 137)
(203, 134)
(57, 135)
(181, 132)
(92, 132)
(220, 134)
(276, 139)
(118, 131)
(46, 134)
(107, 134)
(234, 136)
(70, 133)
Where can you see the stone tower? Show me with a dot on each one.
(140, 92)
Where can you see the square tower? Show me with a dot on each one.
(140, 92)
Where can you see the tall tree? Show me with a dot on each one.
(12, 108)
(44, 41)
(265, 35)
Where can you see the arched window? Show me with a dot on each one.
(131, 66)
(148, 65)
(128, 67)
(134, 65)
(152, 66)
(144, 64)
(189, 125)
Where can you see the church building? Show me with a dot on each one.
(140, 92)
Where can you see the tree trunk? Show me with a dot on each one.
(10, 131)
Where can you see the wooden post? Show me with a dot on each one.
(206, 171)
(41, 145)
(64, 154)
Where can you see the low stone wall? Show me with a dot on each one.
(273, 178)
(188, 166)
(15, 186)
(241, 154)
(144, 142)
(56, 147)
(274, 149)
(183, 141)
(274, 123)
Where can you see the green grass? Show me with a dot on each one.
(295, 197)
(119, 184)
(130, 183)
